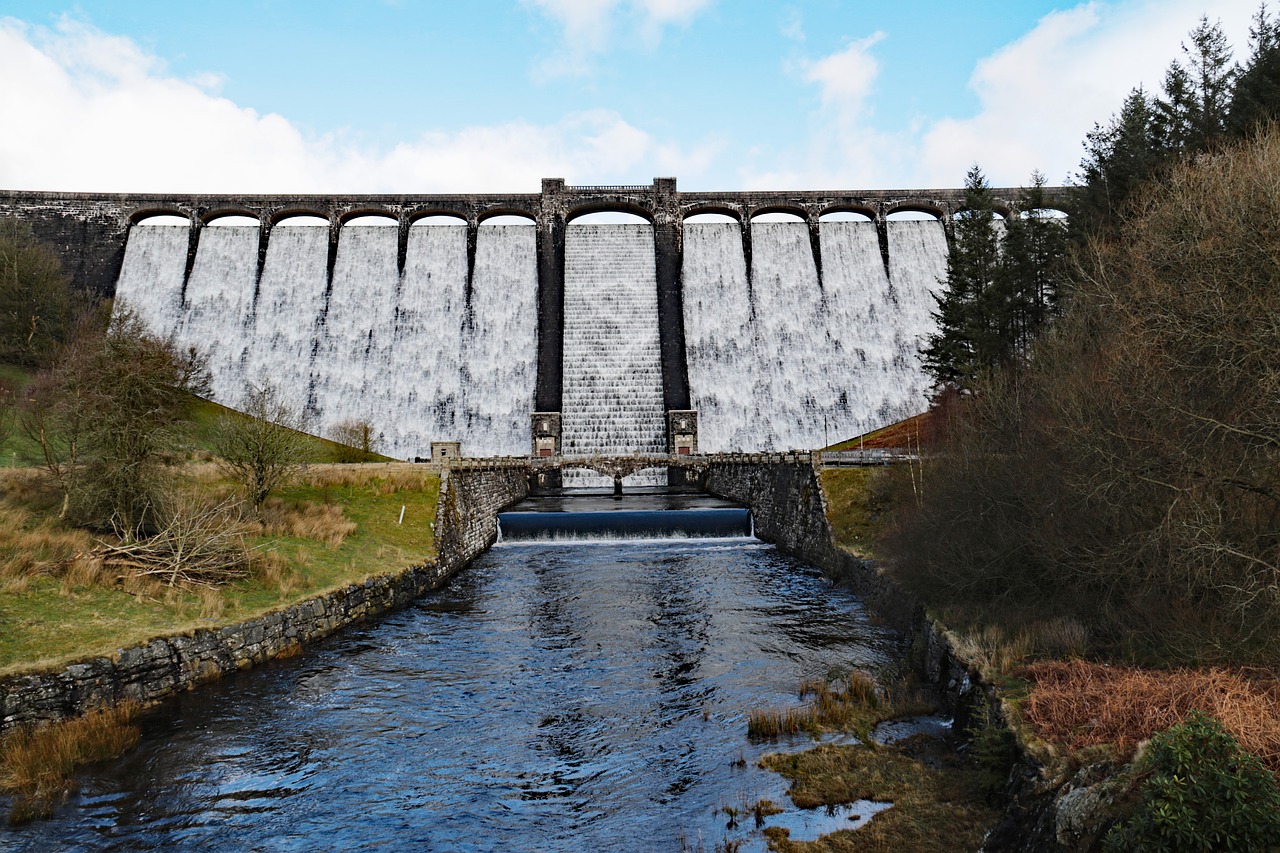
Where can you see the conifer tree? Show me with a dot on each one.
(966, 334)
(1117, 158)
(1256, 96)
(1193, 111)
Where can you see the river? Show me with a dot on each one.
(554, 696)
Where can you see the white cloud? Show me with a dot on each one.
(1038, 96)
(92, 112)
(588, 28)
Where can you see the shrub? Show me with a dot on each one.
(1201, 791)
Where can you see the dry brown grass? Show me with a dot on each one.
(276, 571)
(1077, 704)
(323, 522)
(388, 478)
(848, 702)
(38, 763)
(30, 546)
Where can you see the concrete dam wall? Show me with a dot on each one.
(767, 335)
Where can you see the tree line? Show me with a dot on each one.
(1109, 403)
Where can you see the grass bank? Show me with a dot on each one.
(334, 526)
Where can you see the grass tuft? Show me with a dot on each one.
(38, 763)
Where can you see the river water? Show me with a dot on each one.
(555, 696)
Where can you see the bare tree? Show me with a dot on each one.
(358, 439)
(262, 445)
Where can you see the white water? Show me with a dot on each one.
(785, 364)
(612, 397)
(150, 279)
(217, 308)
(397, 351)
(781, 365)
(290, 304)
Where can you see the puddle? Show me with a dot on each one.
(809, 824)
(893, 731)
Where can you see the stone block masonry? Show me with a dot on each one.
(466, 524)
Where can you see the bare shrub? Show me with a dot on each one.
(261, 446)
(1129, 477)
(357, 438)
(198, 544)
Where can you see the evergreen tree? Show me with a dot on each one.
(967, 333)
(1193, 111)
(1117, 158)
(1256, 96)
(1031, 264)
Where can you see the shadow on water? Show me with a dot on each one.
(551, 697)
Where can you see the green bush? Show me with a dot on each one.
(1201, 792)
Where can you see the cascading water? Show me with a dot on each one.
(407, 353)
(787, 364)
(218, 304)
(612, 368)
(150, 279)
(290, 301)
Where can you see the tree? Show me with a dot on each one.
(1118, 158)
(1000, 288)
(35, 297)
(1255, 98)
(263, 444)
(1128, 475)
(104, 412)
(358, 440)
(1193, 112)
(963, 344)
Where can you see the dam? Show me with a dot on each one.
(672, 335)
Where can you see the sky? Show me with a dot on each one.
(401, 96)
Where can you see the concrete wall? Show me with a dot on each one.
(466, 524)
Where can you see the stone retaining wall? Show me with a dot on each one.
(466, 524)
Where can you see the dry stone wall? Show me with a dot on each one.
(466, 524)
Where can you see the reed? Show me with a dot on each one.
(38, 763)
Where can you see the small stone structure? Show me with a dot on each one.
(444, 452)
(546, 434)
(682, 432)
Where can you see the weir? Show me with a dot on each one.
(756, 336)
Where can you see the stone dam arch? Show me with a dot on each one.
(548, 336)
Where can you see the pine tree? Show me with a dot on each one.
(967, 327)
(1256, 96)
(1193, 111)
(1117, 158)
(1031, 264)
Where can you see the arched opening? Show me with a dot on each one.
(304, 220)
(506, 219)
(844, 216)
(777, 216)
(365, 220)
(711, 218)
(911, 215)
(608, 217)
(436, 220)
(150, 220)
(1045, 213)
(232, 220)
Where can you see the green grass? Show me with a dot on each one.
(54, 621)
(851, 508)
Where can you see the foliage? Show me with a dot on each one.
(1201, 792)
(1129, 475)
(262, 445)
(1000, 287)
(1255, 98)
(36, 302)
(103, 414)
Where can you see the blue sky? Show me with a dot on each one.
(404, 96)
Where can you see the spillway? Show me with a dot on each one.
(784, 362)
(778, 356)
